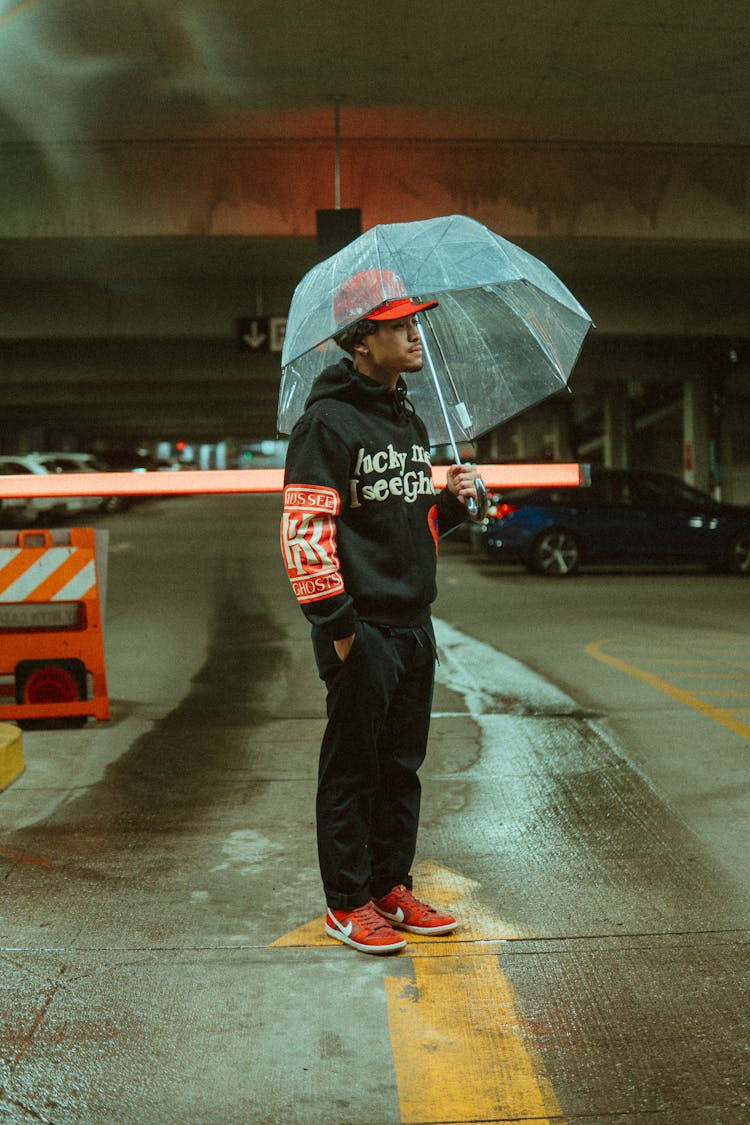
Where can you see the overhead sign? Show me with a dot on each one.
(252, 333)
(258, 334)
(276, 332)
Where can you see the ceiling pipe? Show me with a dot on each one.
(337, 153)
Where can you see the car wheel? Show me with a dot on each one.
(555, 554)
(738, 555)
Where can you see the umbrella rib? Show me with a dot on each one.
(439, 392)
(434, 248)
(438, 344)
(380, 263)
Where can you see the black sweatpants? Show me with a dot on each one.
(367, 808)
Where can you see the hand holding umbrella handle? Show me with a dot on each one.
(477, 509)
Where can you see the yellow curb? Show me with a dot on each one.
(11, 754)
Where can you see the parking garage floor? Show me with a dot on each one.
(163, 958)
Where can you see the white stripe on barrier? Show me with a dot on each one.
(7, 554)
(79, 586)
(45, 565)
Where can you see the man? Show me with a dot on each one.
(359, 538)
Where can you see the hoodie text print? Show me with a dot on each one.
(361, 514)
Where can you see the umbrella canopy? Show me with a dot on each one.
(505, 335)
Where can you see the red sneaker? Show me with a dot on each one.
(363, 929)
(405, 911)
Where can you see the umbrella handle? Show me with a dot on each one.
(481, 504)
(477, 509)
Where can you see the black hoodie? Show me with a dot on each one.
(359, 532)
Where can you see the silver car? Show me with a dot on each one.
(31, 510)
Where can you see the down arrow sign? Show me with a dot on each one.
(253, 333)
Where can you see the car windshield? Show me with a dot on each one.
(63, 465)
(13, 469)
(653, 491)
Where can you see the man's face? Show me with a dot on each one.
(396, 346)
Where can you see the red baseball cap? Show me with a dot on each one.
(362, 298)
(401, 306)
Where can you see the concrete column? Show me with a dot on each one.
(695, 433)
(616, 427)
(558, 438)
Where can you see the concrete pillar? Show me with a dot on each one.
(616, 427)
(558, 440)
(695, 433)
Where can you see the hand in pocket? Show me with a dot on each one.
(343, 647)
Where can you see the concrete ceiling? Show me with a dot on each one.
(667, 72)
(105, 72)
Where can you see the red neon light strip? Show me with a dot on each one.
(195, 481)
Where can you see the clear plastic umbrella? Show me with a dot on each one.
(505, 335)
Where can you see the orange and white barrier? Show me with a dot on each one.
(51, 644)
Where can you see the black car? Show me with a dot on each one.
(623, 517)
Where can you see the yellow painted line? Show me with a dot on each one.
(6, 17)
(458, 1045)
(11, 754)
(596, 649)
(460, 1049)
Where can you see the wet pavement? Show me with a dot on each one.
(163, 958)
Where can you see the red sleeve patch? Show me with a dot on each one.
(308, 541)
(432, 521)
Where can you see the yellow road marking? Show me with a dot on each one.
(6, 17)
(596, 649)
(460, 1050)
(11, 754)
(458, 1046)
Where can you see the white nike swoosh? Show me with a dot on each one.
(399, 915)
(345, 930)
